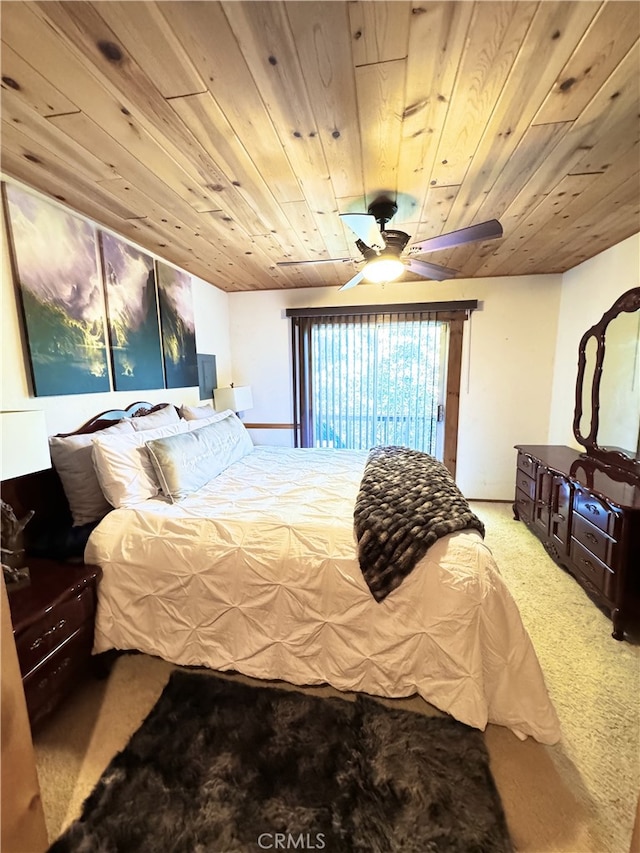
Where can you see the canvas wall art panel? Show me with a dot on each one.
(177, 323)
(132, 316)
(60, 287)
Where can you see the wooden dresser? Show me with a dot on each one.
(587, 515)
(53, 621)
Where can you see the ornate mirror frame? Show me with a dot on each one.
(628, 302)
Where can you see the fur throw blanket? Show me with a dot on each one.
(407, 500)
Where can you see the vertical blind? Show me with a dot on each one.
(365, 380)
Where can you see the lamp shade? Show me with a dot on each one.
(25, 444)
(237, 398)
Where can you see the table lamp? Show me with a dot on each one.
(238, 398)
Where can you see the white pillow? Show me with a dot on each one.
(212, 419)
(71, 456)
(187, 461)
(162, 417)
(123, 467)
(193, 413)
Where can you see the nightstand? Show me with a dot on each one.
(53, 620)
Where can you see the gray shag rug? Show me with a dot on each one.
(219, 766)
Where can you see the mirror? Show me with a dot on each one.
(607, 413)
(590, 356)
(619, 384)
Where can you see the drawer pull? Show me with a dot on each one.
(593, 509)
(587, 563)
(37, 643)
(44, 682)
(588, 535)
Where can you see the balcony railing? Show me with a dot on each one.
(360, 432)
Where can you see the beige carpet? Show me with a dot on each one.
(576, 797)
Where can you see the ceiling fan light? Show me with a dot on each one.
(383, 269)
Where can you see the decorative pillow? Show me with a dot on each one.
(71, 456)
(187, 461)
(123, 467)
(161, 417)
(193, 413)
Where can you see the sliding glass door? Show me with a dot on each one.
(378, 379)
(379, 374)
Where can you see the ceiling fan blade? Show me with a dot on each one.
(316, 261)
(357, 278)
(365, 227)
(434, 271)
(482, 231)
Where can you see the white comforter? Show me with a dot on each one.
(257, 572)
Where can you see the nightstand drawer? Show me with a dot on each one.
(39, 640)
(48, 683)
(53, 619)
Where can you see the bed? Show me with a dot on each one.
(255, 570)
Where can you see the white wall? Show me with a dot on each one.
(66, 413)
(588, 290)
(506, 375)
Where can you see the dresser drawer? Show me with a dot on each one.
(49, 682)
(595, 511)
(593, 539)
(527, 464)
(524, 506)
(592, 568)
(526, 484)
(39, 640)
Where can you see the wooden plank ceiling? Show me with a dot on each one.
(226, 137)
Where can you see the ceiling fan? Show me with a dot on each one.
(382, 248)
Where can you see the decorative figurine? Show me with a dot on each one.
(16, 573)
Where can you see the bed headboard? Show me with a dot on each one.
(108, 418)
(43, 492)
